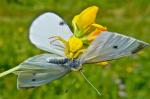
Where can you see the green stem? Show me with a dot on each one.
(9, 71)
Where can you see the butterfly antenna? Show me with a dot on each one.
(90, 83)
(9, 71)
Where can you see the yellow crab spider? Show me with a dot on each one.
(73, 47)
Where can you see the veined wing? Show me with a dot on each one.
(109, 46)
(36, 71)
(48, 25)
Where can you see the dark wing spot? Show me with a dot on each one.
(115, 47)
(141, 46)
(62, 23)
(33, 79)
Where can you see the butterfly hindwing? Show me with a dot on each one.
(109, 46)
(36, 71)
(46, 26)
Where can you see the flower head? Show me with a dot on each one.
(86, 17)
(85, 31)
(84, 25)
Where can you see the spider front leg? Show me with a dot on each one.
(79, 52)
(63, 41)
(58, 38)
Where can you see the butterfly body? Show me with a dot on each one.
(74, 64)
(58, 61)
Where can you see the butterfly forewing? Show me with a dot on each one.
(36, 71)
(109, 46)
(46, 26)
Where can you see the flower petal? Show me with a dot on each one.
(86, 17)
(96, 32)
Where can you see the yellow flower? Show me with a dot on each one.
(104, 63)
(86, 17)
(83, 21)
(85, 27)
(96, 32)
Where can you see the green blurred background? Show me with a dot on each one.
(126, 78)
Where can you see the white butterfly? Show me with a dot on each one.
(44, 68)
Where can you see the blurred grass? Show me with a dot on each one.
(128, 17)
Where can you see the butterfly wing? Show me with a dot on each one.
(48, 25)
(36, 71)
(109, 46)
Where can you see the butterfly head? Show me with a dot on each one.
(74, 64)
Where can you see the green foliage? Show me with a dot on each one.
(130, 74)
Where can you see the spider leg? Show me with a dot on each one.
(78, 53)
(57, 38)
(64, 42)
